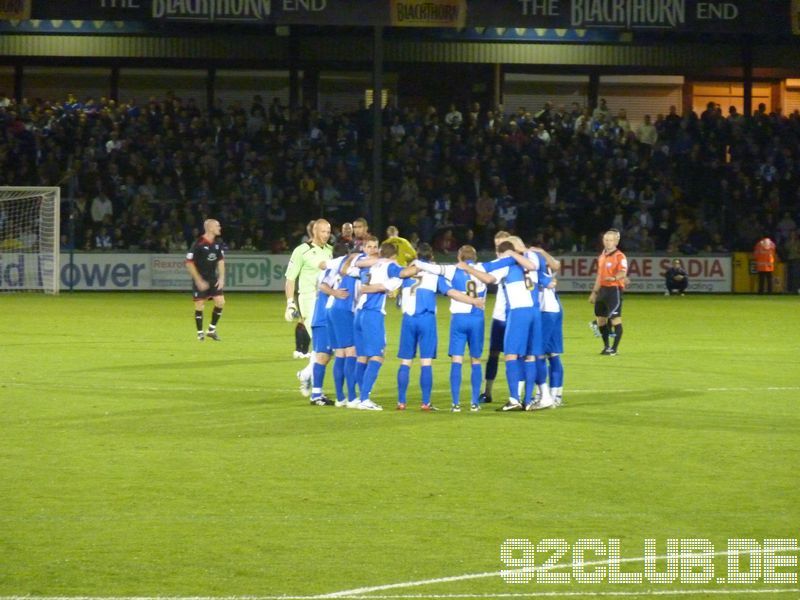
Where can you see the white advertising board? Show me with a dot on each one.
(106, 272)
(646, 273)
(264, 272)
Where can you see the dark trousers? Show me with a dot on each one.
(677, 287)
(765, 282)
(794, 276)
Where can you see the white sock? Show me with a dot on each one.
(308, 370)
(547, 399)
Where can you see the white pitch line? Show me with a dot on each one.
(407, 584)
(144, 388)
(173, 388)
(692, 390)
(582, 594)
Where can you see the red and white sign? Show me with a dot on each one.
(646, 273)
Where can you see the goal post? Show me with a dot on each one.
(29, 239)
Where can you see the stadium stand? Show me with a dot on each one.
(146, 175)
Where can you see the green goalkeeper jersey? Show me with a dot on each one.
(304, 265)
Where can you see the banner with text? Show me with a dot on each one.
(106, 272)
(219, 12)
(773, 17)
(264, 272)
(730, 16)
(429, 13)
(646, 273)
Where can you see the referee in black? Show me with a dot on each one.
(206, 264)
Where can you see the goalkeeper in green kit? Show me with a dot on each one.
(304, 267)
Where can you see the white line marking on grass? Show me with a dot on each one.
(172, 388)
(582, 594)
(144, 388)
(691, 390)
(488, 574)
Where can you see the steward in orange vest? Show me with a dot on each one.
(764, 255)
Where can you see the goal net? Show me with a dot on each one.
(29, 239)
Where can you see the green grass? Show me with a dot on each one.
(136, 461)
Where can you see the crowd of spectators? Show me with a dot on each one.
(144, 176)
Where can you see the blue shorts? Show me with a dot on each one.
(418, 330)
(497, 335)
(466, 330)
(553, 332)
(340, 328)
(358, 334)
(535, 336)
(370, 333)
(320, 342)
(518, 328)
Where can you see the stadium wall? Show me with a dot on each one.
(264, 272)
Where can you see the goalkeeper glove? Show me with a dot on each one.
(291, 311)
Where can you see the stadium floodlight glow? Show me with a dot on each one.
(29, 239)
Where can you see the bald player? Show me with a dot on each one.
(302, 273)
(205, 262)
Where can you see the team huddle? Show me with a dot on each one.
(341, 291)
(343, 296)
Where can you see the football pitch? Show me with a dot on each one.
(136, 461)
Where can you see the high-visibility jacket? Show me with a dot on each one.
(764, 253)
(405, 251)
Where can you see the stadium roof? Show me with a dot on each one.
(728, 17)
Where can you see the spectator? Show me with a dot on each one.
(453, 119)
(103, 239)
(463, 214)
(792, 254)
(647, 244)
(425, 226)
(601, 112)
(441, 210)
(676, 278)
(101, 210)
(507, 214)
(446, 242)
(484, 217)
(785, 227)
(177, 157)
(622, 123)
(647, 136)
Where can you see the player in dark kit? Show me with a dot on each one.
(206, 264)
